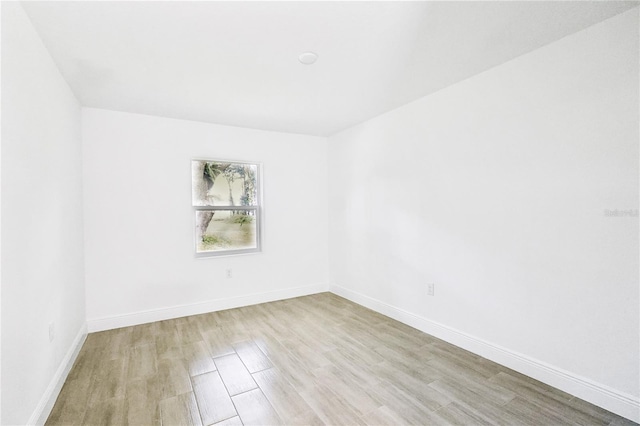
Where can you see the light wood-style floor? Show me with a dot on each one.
(307, 361)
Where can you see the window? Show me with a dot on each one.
(226, 203)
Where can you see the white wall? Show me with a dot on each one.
(139, 223)
(42, 261)
(494, 189)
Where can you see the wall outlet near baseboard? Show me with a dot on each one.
(430, 289)
(229, 273)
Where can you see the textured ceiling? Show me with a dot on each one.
(236, 63)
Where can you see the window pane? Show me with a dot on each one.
(224, 184)
(222, 230)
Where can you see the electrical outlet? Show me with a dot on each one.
(52, 331)
(229, 273)
(430, 289)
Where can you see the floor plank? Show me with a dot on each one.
(172, 378)
(197, 358)
(289, 405)
(180, 410)
(213, 400)
(254, 409)
(252, 357)
(141, 405)
(234, 374)
(105, 412)
(142, 361)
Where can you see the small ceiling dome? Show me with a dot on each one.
(308, 58)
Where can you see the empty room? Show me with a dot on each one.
(320, 213)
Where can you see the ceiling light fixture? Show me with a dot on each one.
(308, 58)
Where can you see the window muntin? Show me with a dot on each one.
(226, 203)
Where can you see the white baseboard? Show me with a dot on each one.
(598, 394)
(42, 411)
(143, 317)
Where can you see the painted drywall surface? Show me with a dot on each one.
(496, 190)
(139, 235)
(42, 256)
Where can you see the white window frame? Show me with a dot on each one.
(258, 209)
